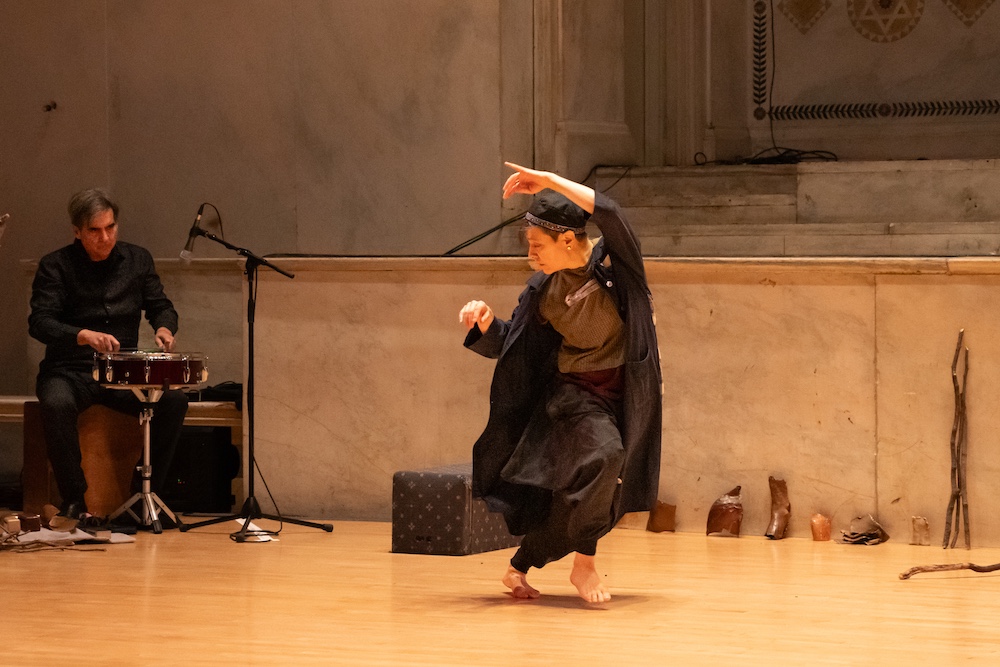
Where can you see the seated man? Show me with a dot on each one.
(89, 296)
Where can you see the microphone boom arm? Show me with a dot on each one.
(251, 257)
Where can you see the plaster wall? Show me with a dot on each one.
(831, 374)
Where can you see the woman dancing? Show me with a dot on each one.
(573, 438)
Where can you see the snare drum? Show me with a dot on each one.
(155, 370)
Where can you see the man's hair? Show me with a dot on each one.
(84, 205)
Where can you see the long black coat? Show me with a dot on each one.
(526, 349)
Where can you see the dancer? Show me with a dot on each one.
(573, 438)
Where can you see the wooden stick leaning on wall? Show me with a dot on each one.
(958, 504)
(955, 425)
(959, 499)
(963, 464)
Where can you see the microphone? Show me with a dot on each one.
(195, 232)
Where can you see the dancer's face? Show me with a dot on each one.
(549, 254)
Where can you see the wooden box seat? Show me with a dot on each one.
(110, 447)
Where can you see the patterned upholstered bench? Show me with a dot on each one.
(433, 512)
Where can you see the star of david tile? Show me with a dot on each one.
(885, 20)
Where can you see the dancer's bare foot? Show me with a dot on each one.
(517, 582)
(584, 576)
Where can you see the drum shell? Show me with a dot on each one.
(137, 369)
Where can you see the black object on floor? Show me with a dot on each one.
(202, 472)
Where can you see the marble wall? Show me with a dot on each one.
(918, 323)
(831, 374)
(360, 371)
(767, 372)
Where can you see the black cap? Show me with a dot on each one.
(554, 211)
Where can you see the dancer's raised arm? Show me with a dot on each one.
(531, 181)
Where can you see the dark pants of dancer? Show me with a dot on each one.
(572, 447)
(64, 394)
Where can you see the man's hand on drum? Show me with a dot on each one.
(476, 313)
(102, 342)
(165, 339)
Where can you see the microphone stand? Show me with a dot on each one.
(251, 508)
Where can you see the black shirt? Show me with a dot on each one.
(71, 292)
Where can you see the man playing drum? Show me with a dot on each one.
(89, 296)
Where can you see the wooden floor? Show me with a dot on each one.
(316, 598)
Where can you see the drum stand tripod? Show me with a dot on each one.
(251, 508)
(150, 501)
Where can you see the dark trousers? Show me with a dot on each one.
(64, 394)
(572, 447)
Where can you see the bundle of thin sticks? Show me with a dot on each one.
(958, 502)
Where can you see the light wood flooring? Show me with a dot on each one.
(341, 598)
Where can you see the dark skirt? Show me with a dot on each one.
(572, 447)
